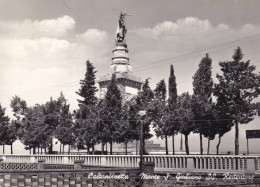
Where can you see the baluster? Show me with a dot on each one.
(181, 163)
(258, 163)
(197, 163)
(201, 162)
(170, 162)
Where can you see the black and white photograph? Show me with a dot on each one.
(129, 93)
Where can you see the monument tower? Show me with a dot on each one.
(128, 84)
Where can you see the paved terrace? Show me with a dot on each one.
(163, 163)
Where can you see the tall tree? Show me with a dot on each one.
(211, 124)
(144, 103)
(26, 119)
(87, 118)
(4, 122)
(172, 103)
(202, 97)
(223, 119)
(32, 131)
(13, 128)
(185, 117)
(88, 88)
(86, 126)
(111, 110)
(127, 130)
(237, 87)
(162, 113)
(65, 128)
(52, 116)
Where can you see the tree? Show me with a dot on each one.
(87, 115)
(26, 120)
(185, 117)
(223, 119)
(86, 126)
(144, 103)
(127, 129)
(111, 110)
(237, 87)
(65, 128)
(32, 131)
(211, 124)
(172, 103)
(13, 128)
(88, 88)
(52, 116)
(202, 101)
(160, 90)
(19, 107)
(4, 122)
(161, 113)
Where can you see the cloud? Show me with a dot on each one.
(93, 36)
(45, 45)
(58, 27)
(193, 27)
(222, 27)
(188, 25)
(33, 53)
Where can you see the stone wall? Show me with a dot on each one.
(50, 178)
(77, 175)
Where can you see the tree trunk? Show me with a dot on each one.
(3, 149)
(63, 145)
(219, 140)
(111, 147)
(136, 147)
(187, 145)
(144, 152)
(201, 144)
(69, 149)
(30, 151)
(34, 150)
(106, 146)
(93, 149)
(236, 139)
(166, 145)
(38, 150)
(41, 150)
(102, 148)
(208, 146)
(125, 148)
(11, 148)
(60, 147)
(50, 148)
(173, 148)
(88, 150)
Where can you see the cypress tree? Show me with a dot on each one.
(172, 103)
(88, 88)
(162, 114)
(202, 101)
(111, 110)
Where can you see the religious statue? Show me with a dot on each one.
(121, 30)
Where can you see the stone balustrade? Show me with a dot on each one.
(169, 163)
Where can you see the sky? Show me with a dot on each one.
(45, 44)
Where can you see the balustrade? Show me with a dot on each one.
(162, 162)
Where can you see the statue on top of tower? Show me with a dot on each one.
(121, 29)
